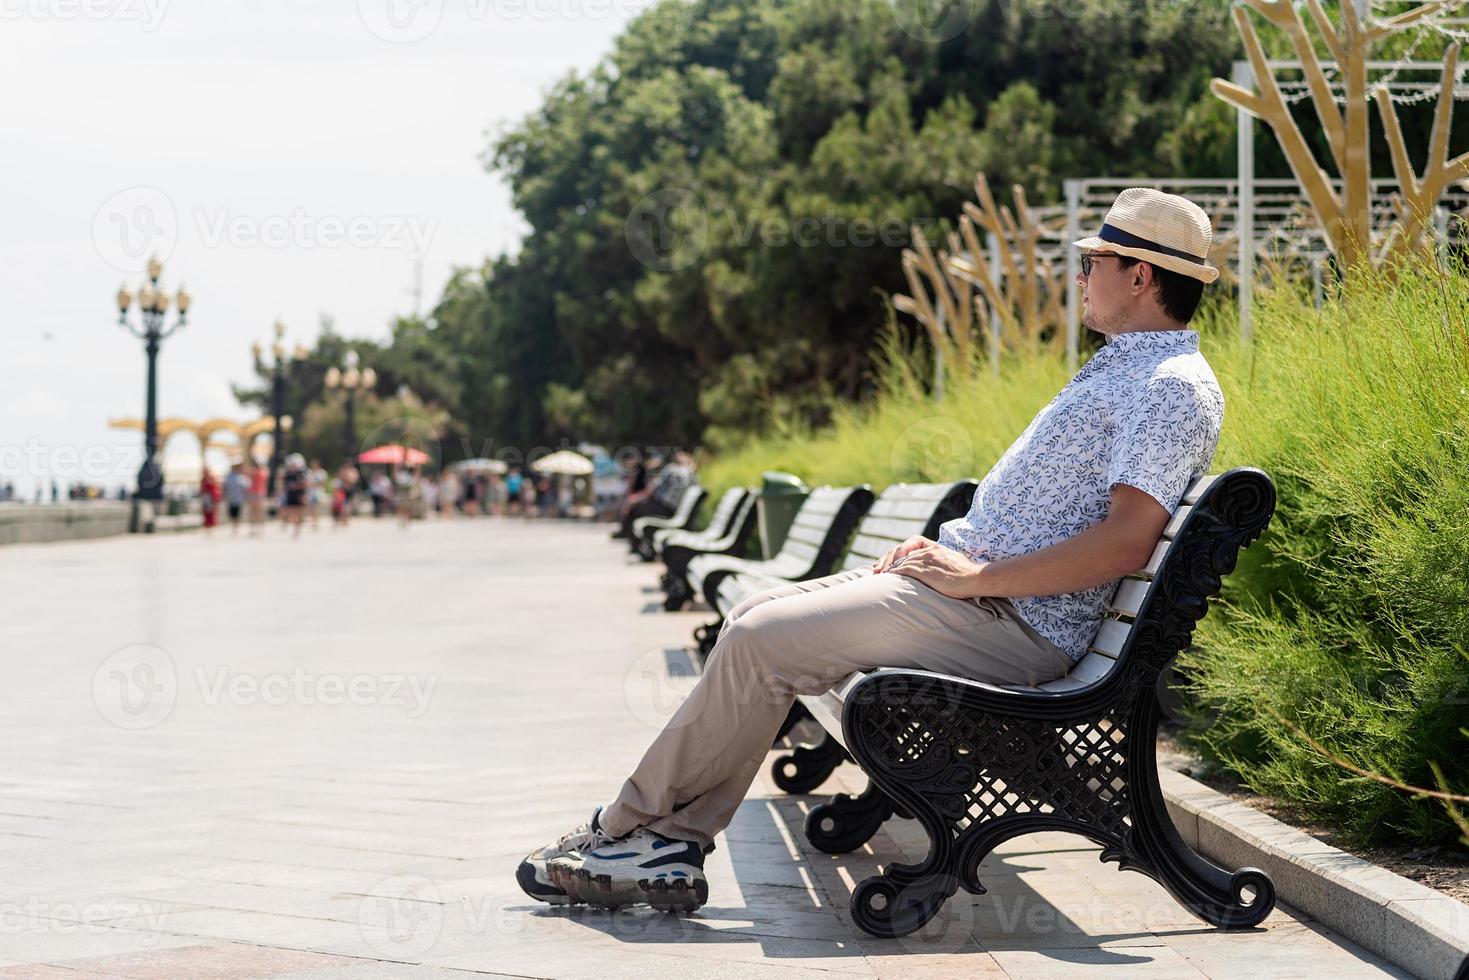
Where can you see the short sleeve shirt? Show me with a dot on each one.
(1146, 410)
(673, 480)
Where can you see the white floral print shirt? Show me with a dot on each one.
(1146, 410)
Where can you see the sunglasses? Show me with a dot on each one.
(1086, 260)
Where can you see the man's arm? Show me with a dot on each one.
(1121, 543)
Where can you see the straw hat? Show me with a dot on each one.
(1169, 231)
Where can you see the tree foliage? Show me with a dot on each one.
(716, 211)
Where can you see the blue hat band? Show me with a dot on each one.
(1116, 236)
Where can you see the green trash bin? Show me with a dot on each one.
(781, 495)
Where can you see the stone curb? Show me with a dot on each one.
(1414, 926)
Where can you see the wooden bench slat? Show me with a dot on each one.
(930, 492)
(1150, 570)
(1198, 488)
(1129, 598)
(807, 534)
(893, 527)
(1089, 669)
(1175, 523)
(1111, 637)
(870, 548)
(904, 508)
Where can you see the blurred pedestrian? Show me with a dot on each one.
(380, 488)
(316, 480)
(346, 485)
(513, 483)
(449, 491)
(470, 497)
(406, 494)
(236, 488)
(209, 493)
(667, 490)
(295, 484)
(255, 498)
(637, 490)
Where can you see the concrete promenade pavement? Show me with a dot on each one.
(324, 758)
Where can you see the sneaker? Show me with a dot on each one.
(532, 874)
(642, 867)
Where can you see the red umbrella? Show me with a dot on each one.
(396, 455)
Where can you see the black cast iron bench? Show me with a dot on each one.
(728, 533)
(977, 764)
(650, 545)
(817, 536)
(682, 518)
(902, 511)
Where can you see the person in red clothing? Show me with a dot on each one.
(209, 493)
(259, 486)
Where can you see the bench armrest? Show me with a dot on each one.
(971, 695)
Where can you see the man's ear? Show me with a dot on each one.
(1142, 278)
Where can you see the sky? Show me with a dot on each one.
(284, 158)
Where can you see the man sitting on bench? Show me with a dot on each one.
(1012, 593)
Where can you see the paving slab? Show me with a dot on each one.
(323, 758)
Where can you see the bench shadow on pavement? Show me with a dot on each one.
(771, 891)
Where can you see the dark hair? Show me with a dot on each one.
(1178, 294)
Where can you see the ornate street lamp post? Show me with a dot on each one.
(153, 302)
(351, 381)
(278, 397)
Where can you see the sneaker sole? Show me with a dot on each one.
(680, 895)
(582, 885)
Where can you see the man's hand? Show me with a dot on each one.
(941, 569)
(886, 562)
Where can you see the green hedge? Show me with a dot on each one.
(1350, 616)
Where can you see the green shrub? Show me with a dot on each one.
(1350, 616)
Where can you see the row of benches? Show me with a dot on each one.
(977, 764)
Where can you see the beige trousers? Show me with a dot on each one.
(805, 638)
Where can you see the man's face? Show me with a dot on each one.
(1106, 298)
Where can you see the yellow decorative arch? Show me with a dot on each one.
(204, 431)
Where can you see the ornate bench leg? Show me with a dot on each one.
(794, 717)
(1156, 849)
(845, 822)
(807, 766)
(930, 787)
(676, 592)
(706, 636)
